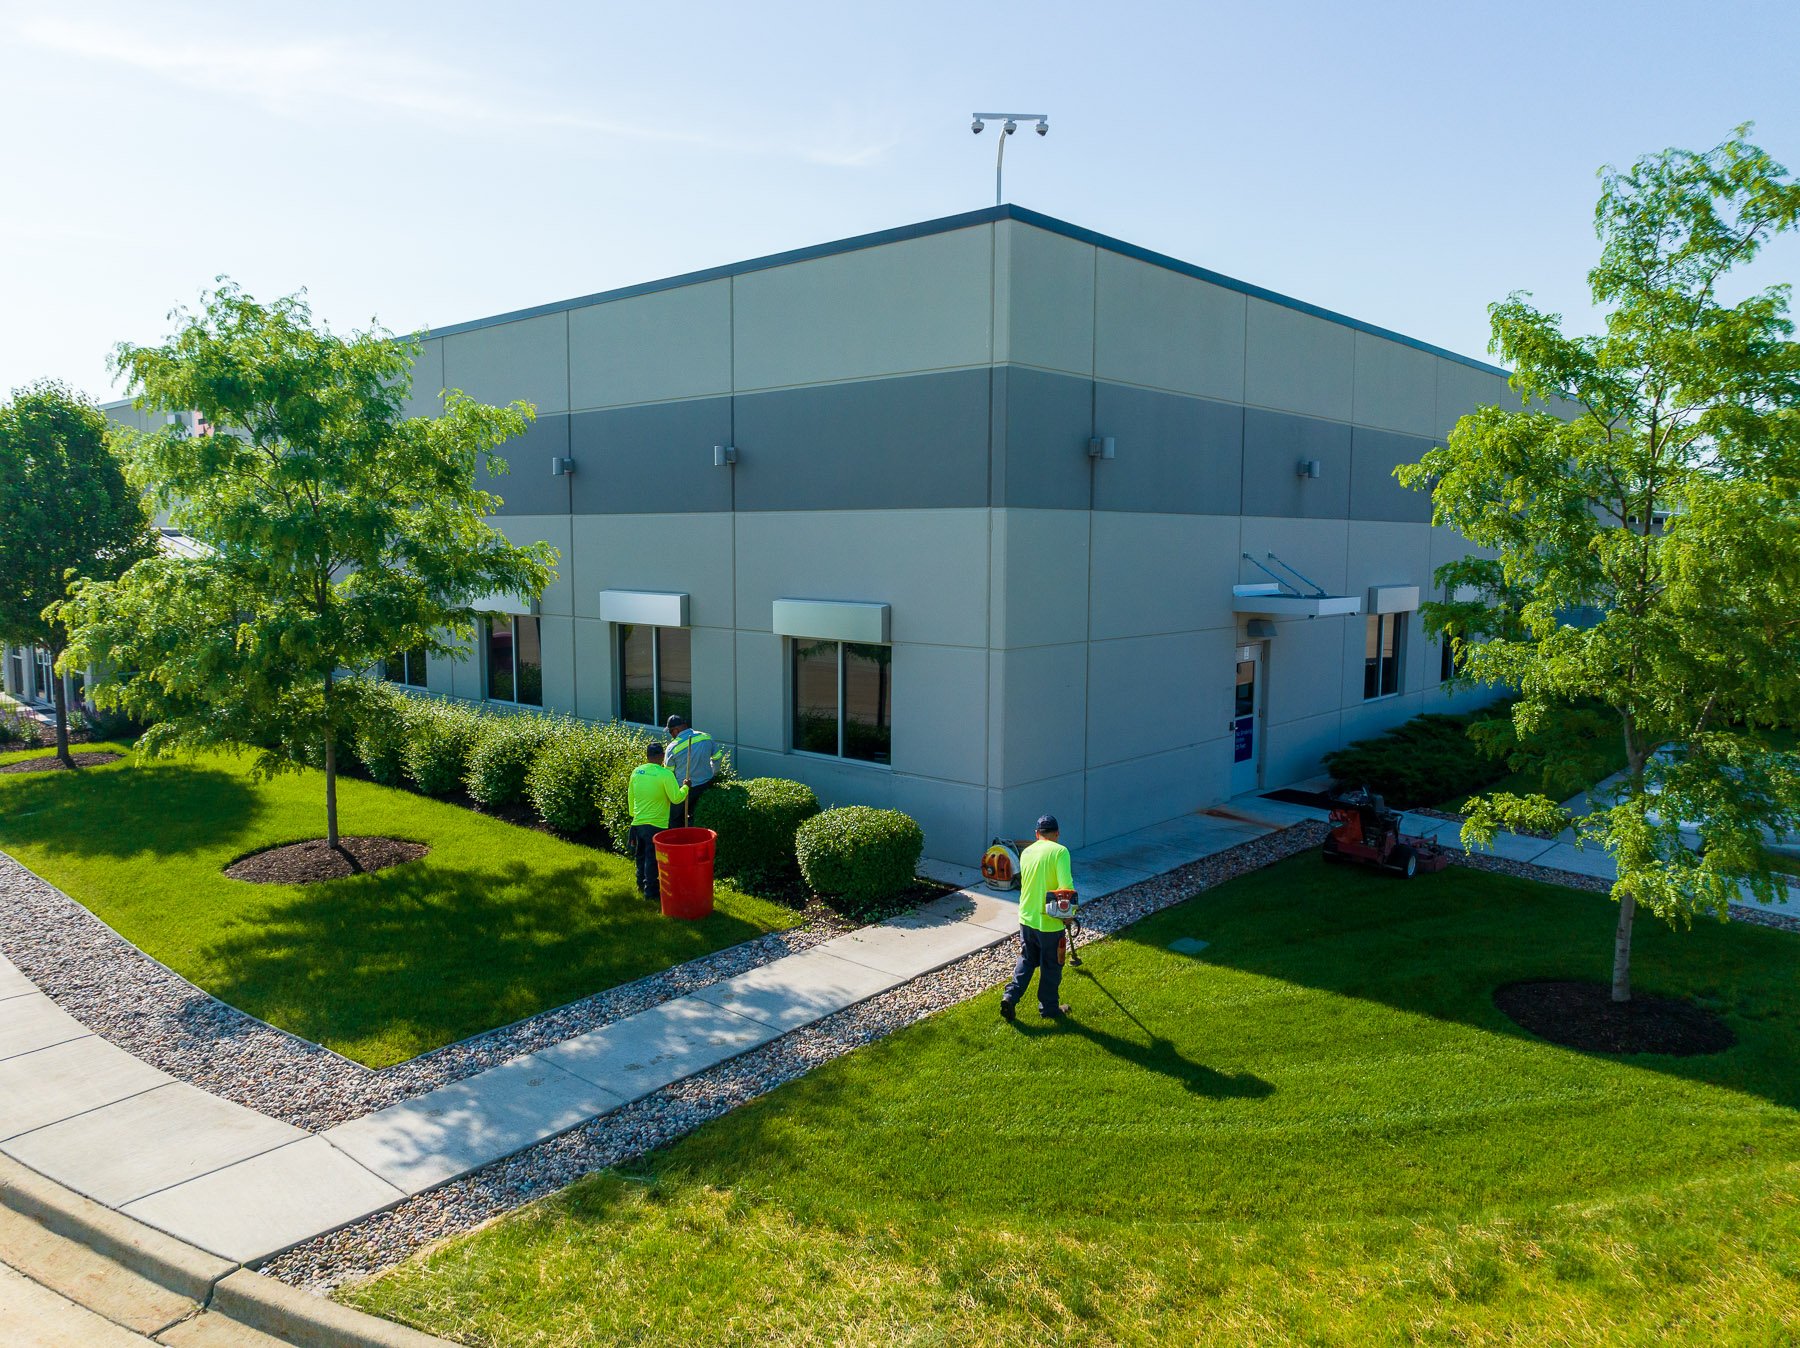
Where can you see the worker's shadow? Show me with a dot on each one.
(1158, 1055)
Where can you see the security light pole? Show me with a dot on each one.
(1009, 123)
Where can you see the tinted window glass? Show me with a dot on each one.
(530, 662)
(500, 658)
(637, 690)
(868, 690)
(816, 696)
(674, 674)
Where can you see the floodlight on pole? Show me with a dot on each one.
(1009, 123)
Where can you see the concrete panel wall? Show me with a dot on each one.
(1043, 299)
(1461, 389)
(1294, 362)
(425, 399)
(1396, 386)
(1149, 695)
(1038, 566)
(1274, 445)
(1162, 573)
(926, 304)
(526, 360)
(929, 565)
(1175, 454)
(940, 712)
(558, 637)
(1156, 327)
(1375, 494)
(652, 458)
(520, 530)
(652, 348)
(1041, 426)
(686, 554)
(762, 693)
(526, 486)
(1037, 699)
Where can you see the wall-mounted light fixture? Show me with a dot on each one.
(724, 455)
(1308, 468)
(561, 466)
(1101, 447)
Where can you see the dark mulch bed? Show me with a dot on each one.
(55, 764)
(307, 863)
(1584, 1016)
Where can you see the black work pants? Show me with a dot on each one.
(1038, 950)
(643, 848)
(688, 806)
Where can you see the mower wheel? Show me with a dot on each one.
(1404, 860)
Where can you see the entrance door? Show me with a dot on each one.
(1246, 721)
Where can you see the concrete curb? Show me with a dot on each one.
(219, 1287)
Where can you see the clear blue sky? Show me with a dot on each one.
(423, 164)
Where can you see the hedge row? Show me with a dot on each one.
(574, 773)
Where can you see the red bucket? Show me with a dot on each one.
(684, 871)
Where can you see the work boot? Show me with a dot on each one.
(1006, 1010)
(1062, 1009)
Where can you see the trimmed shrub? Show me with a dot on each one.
(566, 779)
(440, 737)
(621, 750)
(380, 730)
(854, 857)
(755, 821)
(503, 755)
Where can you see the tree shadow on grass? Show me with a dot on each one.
(383, 967)
(1439, 945)
(127, 810)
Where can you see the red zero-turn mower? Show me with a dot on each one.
(1365, 831)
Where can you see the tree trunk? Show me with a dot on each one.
(1621, 985)
(331, 820)
(59, 697)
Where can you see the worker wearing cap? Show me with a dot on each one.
(689, 757)
(650, 792)
(1043, 866)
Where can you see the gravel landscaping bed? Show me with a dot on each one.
(156, 1015)
(378, 1242)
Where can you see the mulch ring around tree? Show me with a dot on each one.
(1584, 1016)
(307, 863)
(51, 763)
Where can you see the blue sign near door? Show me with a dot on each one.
(1245, 743)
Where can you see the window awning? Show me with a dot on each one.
(500, 602)
(1276, 602)
(652, 608)
(832, 620)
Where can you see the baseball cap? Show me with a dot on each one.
(1047, 824)
(677, 723)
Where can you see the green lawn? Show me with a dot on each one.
(1319, 1130)
(497, 922)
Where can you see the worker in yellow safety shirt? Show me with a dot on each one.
(650, 793)
(1043, 867)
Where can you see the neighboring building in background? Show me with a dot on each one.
(981, 519)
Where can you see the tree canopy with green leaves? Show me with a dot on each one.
(1651, 485)
(335, 531)
(68, 512)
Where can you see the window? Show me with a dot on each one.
(408, 668)
(1382, 654)
(15, 669)
(1446, 659)
(843, 699)
(656, 673)
(44, 675)
(515, 661)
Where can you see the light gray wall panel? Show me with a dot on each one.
(1162, 573)
(940, 712)
(1396, 386)
(686, 553)
(1294, 362)
(762, 694)
(715, 682)
(466, 673)
(1159, 328)
(1175, 453)
(1374, 493)
(1013, 812)
(1041, 691)
(425, 397)
(652, 459)
(901, 308)
(558, 637)
(1461, 389)
(1316, 548)
(1039, 573)
(1274, 445)
(526, 360)
(952, 815)
(527, 486)
(1124, 797)
(876, 444)
(1046, 307)
(929, 565)
(595, 699)
(441, 671)
(1043, 424)
(521, 530)
(652, 348)
(1147, 695)
(1305, 667)
(1295, 748)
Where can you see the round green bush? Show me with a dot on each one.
(440, 737)
(755, 821)
(564, 779)
(855, 857)
(503, 754)
(381, 719)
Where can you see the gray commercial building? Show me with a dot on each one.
(969, 518)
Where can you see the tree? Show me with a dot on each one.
(335, 532)
(1652, 484)
(68, 512)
